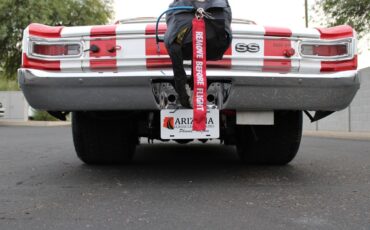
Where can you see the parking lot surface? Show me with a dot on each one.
(44, 186)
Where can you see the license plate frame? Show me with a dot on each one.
(177, 125)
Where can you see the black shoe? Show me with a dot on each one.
(181, 89)
(185, 101)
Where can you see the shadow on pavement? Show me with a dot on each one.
(171, 163)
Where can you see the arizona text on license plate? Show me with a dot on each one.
(178, 124)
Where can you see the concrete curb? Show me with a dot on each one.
(326, 134)
(365, 136)
(12, 123)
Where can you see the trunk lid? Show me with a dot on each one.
(131, 46)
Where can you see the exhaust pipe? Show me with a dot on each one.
(211, 98)
(172, 99)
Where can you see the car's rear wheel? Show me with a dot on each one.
(271, 145)
(102, 139)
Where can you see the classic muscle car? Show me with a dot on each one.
(119, 86)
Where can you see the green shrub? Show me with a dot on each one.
(8, 85)
(43, 116)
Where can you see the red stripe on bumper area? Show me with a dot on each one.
(40, 64)
(337, 66)
(277, 32)
(40, 30)
(151, 49)
(150, 29)
(337, 32)
(277, 48)
(107, 48)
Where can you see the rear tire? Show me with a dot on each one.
(100, 140)
(271, 145)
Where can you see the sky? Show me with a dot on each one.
(265, 12)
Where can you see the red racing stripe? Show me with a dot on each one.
(150, 29)
(337, 66)
(277, 31)
(106, 48)
(40, 64)
(151, 48)
(44, 31)
(337, 32)
(277, 48)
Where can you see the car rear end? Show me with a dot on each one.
(266, 68)
(117, 69)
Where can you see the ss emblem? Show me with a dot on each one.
(251, 48)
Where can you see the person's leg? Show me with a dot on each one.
(175, 53)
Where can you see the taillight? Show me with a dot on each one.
(328, 50)
(324, 50)
(49, 50)
(333, 55)
(56, 50)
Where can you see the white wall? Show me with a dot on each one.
(16, 107)
(354, 119)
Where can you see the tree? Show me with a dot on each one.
(355, 13)
(16, 15)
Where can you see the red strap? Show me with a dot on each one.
(200, 75)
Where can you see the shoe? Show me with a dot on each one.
(182, 90)
(185, 101)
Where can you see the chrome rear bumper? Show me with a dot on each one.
(56, 91)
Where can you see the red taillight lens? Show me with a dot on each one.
(49, 50)
(324, 50)
(56, 50)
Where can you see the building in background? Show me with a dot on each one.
(364, 51)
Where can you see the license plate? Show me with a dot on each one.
(178, 124)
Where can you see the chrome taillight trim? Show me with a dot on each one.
(32, 42)
(349, 42)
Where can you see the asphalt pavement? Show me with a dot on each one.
(44, 186)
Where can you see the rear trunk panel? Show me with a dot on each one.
(132, 47)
